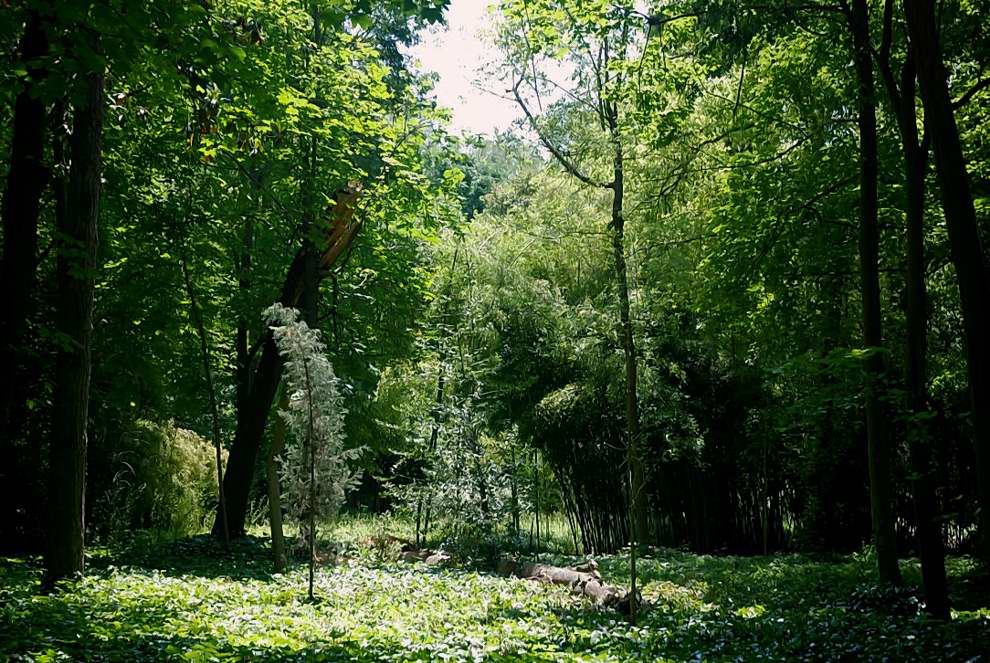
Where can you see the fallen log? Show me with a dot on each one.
(431, 557)
(582, 579)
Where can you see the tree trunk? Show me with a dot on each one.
(258, 396)
(583, 579)
(929, 530)
(311, 255)
(637, 511)
(514, 494)
(241, 343)
(253, 416)
(74, 323)
(275, 490)
(434, 436)
(964, 237)
(930, 546)
(26, 179)
(311, 457)
(536, 496)
(878, 437)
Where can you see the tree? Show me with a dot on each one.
(878, 436)
(901, 92)
(264, 379)
(315, 470)
(367, 146)
(964, 237)
(26, 180)
(74, 324)
(604, 50)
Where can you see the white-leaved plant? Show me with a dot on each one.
(315, 472)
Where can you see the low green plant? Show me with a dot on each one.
(190, 600)
(158, 477)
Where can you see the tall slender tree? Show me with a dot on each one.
(901, 92)
(878, 435)
(605, 55)
(78, 240)
(964, 238)
(26, 179)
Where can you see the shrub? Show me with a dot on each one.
(157, 476)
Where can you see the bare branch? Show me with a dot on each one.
(557, 153)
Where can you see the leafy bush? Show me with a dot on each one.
(886, 599)
(472, 543)
(157, 476)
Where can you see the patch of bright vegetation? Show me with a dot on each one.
(190, 601)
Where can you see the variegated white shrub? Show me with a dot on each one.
(315, 472)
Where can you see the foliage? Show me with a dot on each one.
(466, 333)
(156, 476)
(208, 109)
(314, 470)
(189, 602)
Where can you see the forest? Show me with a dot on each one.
(688, 362)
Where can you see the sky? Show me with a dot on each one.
(456, 52)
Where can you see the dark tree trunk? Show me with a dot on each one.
(74, 323)
(311, 253)
(242, 340)
(878, 437)
(252, 418)
(26, 181)
(964, 237)
(258, 396)
(929, 530)
(930, 546)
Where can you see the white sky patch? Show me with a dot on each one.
(457, 53)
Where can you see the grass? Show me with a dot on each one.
(189, 600)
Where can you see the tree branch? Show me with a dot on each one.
(554, 150)
(970, 93)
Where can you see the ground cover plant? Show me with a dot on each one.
(191, 600)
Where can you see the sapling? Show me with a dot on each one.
(315, 469)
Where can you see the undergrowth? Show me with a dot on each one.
(191, 600)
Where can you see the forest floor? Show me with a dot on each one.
(190, 600)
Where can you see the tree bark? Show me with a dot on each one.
(930, 545)
(241, 342)
(26, 180)
(878, 437)
(583, 579)
(253, 417)
(74, 324)
(964, 237)
(637, 511)
(259, 394)
(310, 449)
(275, 490)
